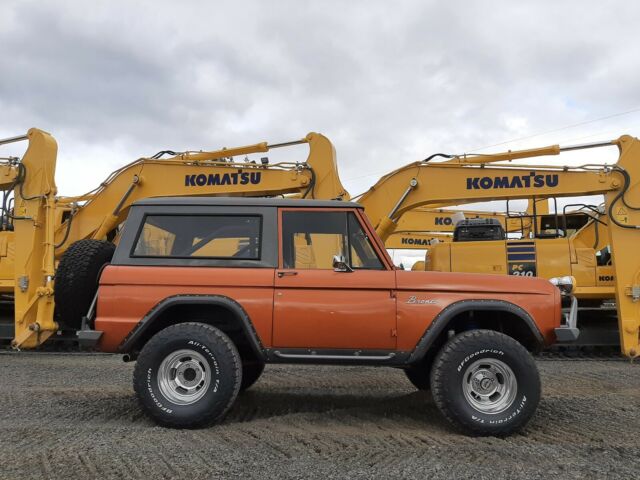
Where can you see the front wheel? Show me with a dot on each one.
(188, 375)
(485, 382)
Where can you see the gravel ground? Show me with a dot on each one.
(75, 416)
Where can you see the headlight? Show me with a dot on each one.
(565, 284)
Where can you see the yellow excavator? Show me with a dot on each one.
(39, 226)
(476, 178)
(576, 245)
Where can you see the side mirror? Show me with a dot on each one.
(340, 264)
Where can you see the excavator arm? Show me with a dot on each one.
(452, 184)
(33, 217)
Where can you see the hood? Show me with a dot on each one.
(472, 283)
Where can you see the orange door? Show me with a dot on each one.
(317, 307)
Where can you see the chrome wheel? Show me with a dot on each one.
(184, 377)
(489, 385)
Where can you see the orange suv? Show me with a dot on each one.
(203, 292)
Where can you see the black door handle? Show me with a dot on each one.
(286, 274)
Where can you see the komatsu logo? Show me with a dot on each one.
(444, 221)
(520, 181)
(414, 241)
(241, 178)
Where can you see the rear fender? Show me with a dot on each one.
(138, 333)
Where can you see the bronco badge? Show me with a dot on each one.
(415, 300)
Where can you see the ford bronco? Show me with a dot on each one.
(203, 292)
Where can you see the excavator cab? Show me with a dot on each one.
(478, 229)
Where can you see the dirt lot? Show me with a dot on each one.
(75, 416)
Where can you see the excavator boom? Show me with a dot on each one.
(200, 174)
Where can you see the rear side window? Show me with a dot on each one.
(200, 236)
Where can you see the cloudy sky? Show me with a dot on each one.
(388, 82)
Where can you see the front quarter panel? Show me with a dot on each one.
(422, 296)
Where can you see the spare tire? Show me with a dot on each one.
(76, 280)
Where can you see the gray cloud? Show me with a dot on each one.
(389, 83)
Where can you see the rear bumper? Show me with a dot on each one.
(569, 331)
(88, 338)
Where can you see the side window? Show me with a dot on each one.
(361, 251)
(199, 236)
(603, 257)
(311, 239)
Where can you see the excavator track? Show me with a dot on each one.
(581, 353)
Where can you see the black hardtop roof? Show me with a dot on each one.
(244, 202)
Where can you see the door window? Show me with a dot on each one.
(311, 240)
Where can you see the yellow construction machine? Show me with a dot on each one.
(576, 245)
(477, 178)
(38, 226)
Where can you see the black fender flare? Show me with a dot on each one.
(441, 321)
(210, 300)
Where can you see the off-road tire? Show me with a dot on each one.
(419, 375)
(223, 364)
(76, 280)
(251, 372)
(455, 359)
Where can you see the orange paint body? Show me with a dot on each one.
(319, 308)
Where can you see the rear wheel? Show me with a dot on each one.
(76, 281)
(188, 375)
(485, 382)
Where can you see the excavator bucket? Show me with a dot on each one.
(322, 160)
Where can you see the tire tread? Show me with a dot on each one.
(74, 287)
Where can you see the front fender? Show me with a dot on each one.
(440, 322)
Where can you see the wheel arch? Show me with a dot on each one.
(216, 310)
(498, 315)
